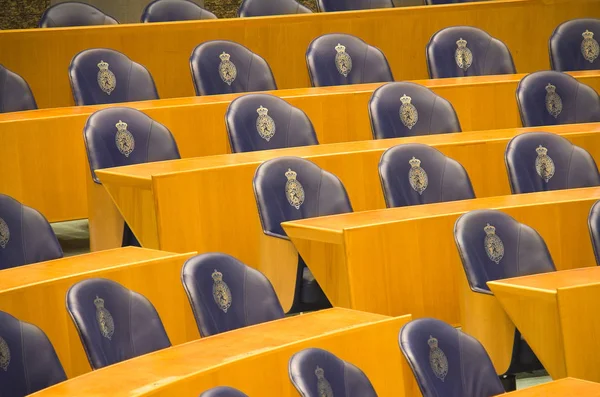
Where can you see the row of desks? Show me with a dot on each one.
(165, 48)
(46, 165)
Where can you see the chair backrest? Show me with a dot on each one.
(102, 76)
(541, 161)
(551, 98)
(174, 10)
(447, 362)
(223, 67)
(122, 136)
(15, 94)
(114, 323)
(262, 121)
(73, 13)
(493, 245)
(317, 373)
(460, 51)
(339, 59)
(574, 45)
(25, 235)
(259, 8)
(223, 391)
(241, 296)
(291, 188)
(27, 358)
(349, 5)
(594, 227)
(414, 173)
(408, 109)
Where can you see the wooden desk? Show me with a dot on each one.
(557, 313)
(404, 260)
(45, 146)
(36, 294)
(255, 359)
(560, 388)
(42, 57)
(207, 204)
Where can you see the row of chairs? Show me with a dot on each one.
(101, 76)
(80, 14)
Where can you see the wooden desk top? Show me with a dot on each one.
(155, 370)
(560, 388)
(552, 281)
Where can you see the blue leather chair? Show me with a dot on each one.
(291, 188)
(407, 109)
(174, 10)
(114, 323)
(260, 8)
(223, 391)
(460, 51)
(574, 45)
(27, 358)
(541, 161)
(492, 246)
(349, 5)
(447, 362)
(74, 13)
(25, 235)
(241, 296)
(339, 59)
(594, 226)
(120, 136)
(318, 373)
(262, 122)
(414, 173)
(224, 67)
(15, 94)
(102, 76)
(552, 98)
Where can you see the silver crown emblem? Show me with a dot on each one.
(262, 111)
(489, 229)
(289, 174)
(340, 48)
(461, 43)
(121, 126)
(432, 342)
(550, 88)
(587, 34)
(405, 99)
(414, 162)
(103, 65)
(98, 302)
(542, 151)
(217, 275)
(319, 372)
(224, 56)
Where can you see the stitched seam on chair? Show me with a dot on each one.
(23, 245)
(202, 303)
(346, 387)
(249, 72)
(319, 194)
(2, 91)
(462, 369)
(287, 138)
(130, 328)
(129, 81)
(442, 179)
(432, 114)
(149, 139)
(519, 249)
(569, 167)
(24, 358)
(575, 102)
(362, 73)
(487, 49)
(244, 297)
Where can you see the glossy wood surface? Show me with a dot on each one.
(36, 294)
(404, 260)
(557, 315)
(165, 48)
(46, 146)
(560, 388)
(255, 359)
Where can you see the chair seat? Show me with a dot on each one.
(524, 359)
(311, 292)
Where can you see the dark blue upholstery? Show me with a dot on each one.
(73, 13)
(447, 362)
(174, 10)
(338, 59)
(414, 173)
(551, 98)
(27, 358)
(15, 94)
(223, 67)
(114, 323)
(594, 226)
(25, 235)
(318, 373)
(574, 45)
(349, 5)
(557, 164)
(323, 194)
(128, 81)
(225, 294)
(408, 109)
(223, 391)
(259, 8)
(262, 121)
(447, 58)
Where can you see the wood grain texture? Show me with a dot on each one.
(45, 146)
(560, 388)
(36, 294)
(255, 359)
